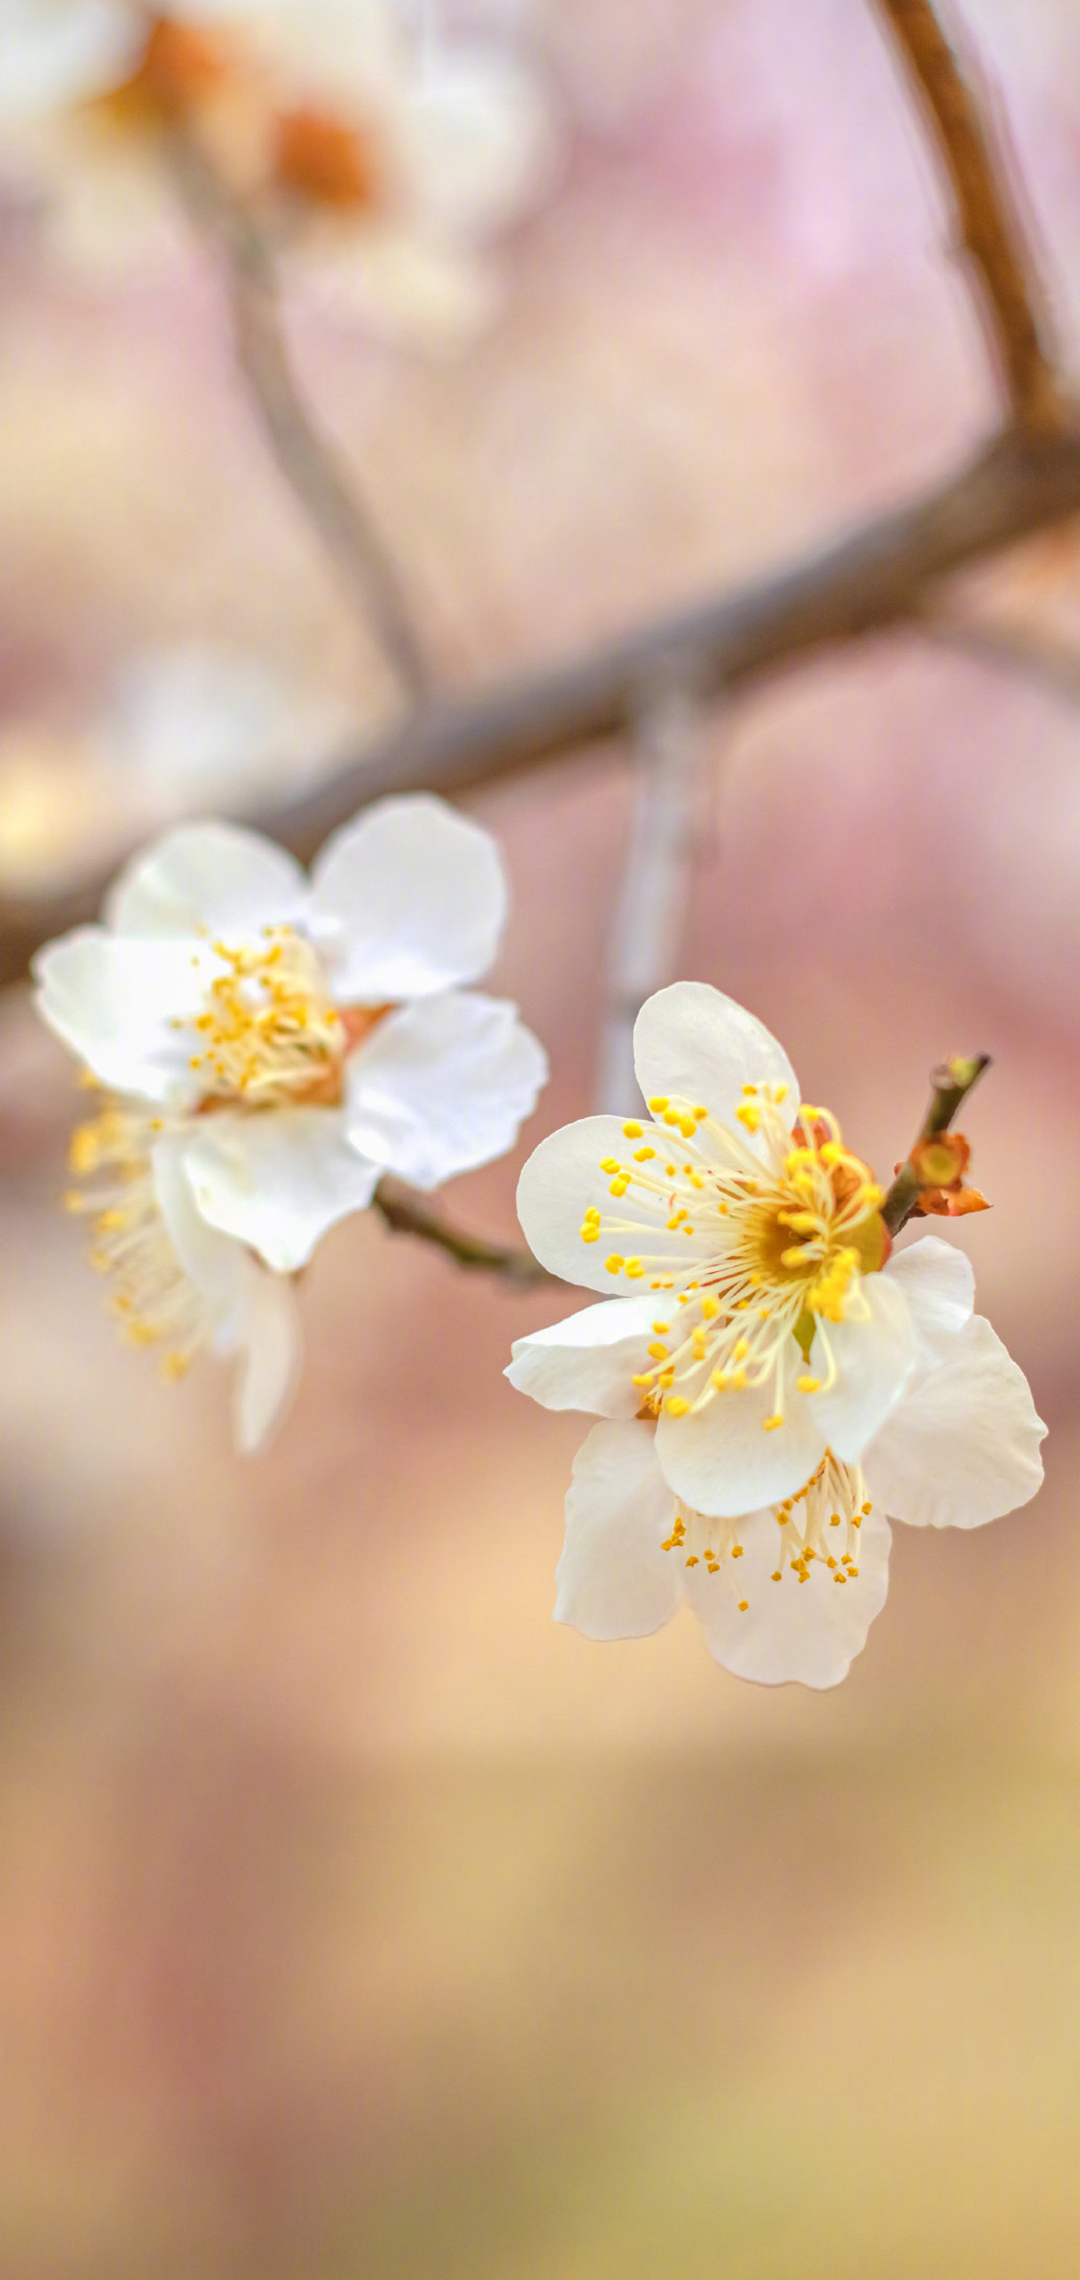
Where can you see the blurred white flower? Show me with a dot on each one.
(61, 52)
(399, 157)
(788, 1591)
(179, 726)
(177, 1284)
(300, 1038)
(383, 157)
(769, 1329)
(86, 86)
(190, 723)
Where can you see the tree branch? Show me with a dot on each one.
(408, 1214)
(988, 216)
(312, 468)
(883, 572)
(1054, 664)
(951, 1082)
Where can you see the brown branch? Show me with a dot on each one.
(884, 572)
(314, 471)
(951, 1082)
(1054, 664)
(406, 1213)
(989, 218)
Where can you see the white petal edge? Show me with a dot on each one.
(938, 1282)
(269, 1366)
(255, 1313)
(62, 56)
(874, 1358)
(443, 1086)
(113, 1003)
(278, 1181)
(206, 877)
(962, 1448)
(614, 1580)
(721, 1460)
(790, 1632)
(409, 899)
(589, 1361)
(483, 141)
(562, 1179)
(692, 1041)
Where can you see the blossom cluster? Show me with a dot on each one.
(772, 1380)
(381, 162)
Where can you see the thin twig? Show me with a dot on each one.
(664, 835)
(1055, 665)
(408, 1214)
(951, 1083)
(988, 214)
(885, 572)
(314, 470)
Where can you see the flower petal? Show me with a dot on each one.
(416, 292)
(588, 1361)
(256, 1315)
(874, 1359)
(692, 1041)
(442, 1085)
(57, 56)
(563, 1179)
(721, 1460)
(206, 877)
(809, 1632)
(938, 1282)
(614, 1580)
(270, 1365)
(114, 1004)
(409, 899)
(279, 1180)
(482, 140)
(221, 1269)
(962, 1447)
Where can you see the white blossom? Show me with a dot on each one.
(767, 1319)
(383, 163)
(404, 158)
(86, 87)
(788, 1591)
(298, 1038)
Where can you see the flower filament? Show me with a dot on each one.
(778, 1238)
(154, 1301)
(268, 1033)
(821, 1523)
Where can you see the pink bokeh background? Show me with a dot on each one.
(354, 1919)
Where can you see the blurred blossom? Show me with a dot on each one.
(382, 156)
(92, 88)
(195, 724)
(178, 727)
(270, 1048)
(397, 159)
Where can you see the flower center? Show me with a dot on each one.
(180, 68)
(153, 1299)
(777, 1240)
(821, 1522)
(268, 1034)
(319, 158)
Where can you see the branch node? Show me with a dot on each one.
(951, 1081)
